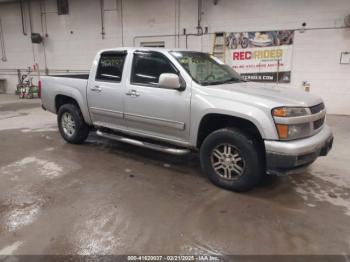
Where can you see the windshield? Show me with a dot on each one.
(206, 69)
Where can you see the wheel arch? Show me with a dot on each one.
(61, 99)
(214, 121)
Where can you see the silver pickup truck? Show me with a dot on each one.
(178, 101)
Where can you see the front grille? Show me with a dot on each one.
(314, 110)
(317, 108)
(318, 123)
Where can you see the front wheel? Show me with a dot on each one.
(232, 160)
(71, 124)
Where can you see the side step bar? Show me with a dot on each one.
(165, 149)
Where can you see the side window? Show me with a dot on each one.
(148, 66)
(110, 67)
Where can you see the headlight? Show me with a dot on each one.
(290, 111)
(287, 130)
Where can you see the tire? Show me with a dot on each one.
(79, 132)
(242, 169)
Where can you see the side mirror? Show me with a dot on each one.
(171, 81)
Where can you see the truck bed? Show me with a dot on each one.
(73, 86)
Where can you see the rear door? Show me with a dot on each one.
(105, 92)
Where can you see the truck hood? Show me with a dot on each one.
(264, 94)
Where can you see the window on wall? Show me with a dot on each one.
(62, 7)
(148, 66)
(110, 67)
(153, 44)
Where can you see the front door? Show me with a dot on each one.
(151, 110)
(105, 92)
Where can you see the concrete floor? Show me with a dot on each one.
(108, 198)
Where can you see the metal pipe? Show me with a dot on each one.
(30, 15)
(131, 141)
(199, 18)
(102, 19)
(297, 29)
(45, 34)
(178, 22)
(43, 15)
(2, 43)
(42, 70)
(192, 34)
(186, 39)
(121, 21)
(9, 74)
(322, 28)
(175, 22)
(24, 29)
(19, 76)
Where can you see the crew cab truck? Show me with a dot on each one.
(177, 101)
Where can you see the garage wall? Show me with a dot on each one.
(73, 39)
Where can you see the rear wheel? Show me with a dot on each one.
(71, 124)
(232, 160)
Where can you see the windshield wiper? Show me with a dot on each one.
(226, 81)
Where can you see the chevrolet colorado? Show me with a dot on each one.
(177, 101)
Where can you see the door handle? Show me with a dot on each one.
(96, 88)
(133, 93)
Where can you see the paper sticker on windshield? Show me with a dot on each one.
(217, 60)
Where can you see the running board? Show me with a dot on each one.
(131, 141)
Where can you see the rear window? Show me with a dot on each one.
(110, 67)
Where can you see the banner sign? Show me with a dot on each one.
(261, 56)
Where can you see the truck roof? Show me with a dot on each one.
(131, 49)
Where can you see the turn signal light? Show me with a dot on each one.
(282, 131)
(280, 111)
(290, 111)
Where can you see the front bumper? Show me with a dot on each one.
(287, 157)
